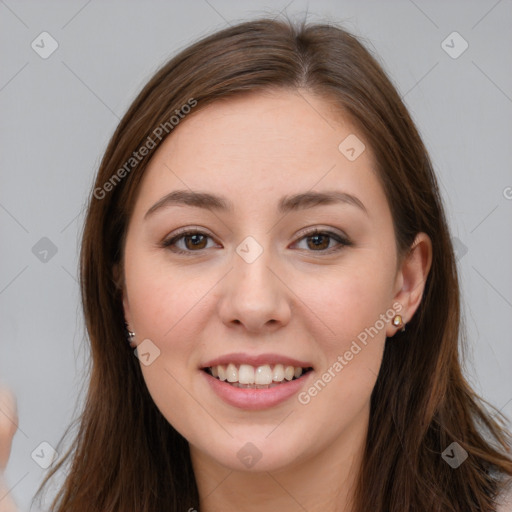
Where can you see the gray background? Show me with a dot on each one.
(58, 114)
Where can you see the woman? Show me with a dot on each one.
(272, 298)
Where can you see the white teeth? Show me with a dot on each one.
(278, 373)
(288, 372)
(232, 373)
(221, 371)
(246, 374)
(263, 376)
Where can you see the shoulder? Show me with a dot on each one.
(504, 500)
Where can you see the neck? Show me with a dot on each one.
(323, 482)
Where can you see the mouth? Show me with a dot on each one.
(264, 376)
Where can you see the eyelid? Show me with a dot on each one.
(187, 229)
(314, 229)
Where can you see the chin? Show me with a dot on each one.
(256, 453)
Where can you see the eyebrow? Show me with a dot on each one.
(287, 204)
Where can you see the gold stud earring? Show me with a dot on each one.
(398, 322)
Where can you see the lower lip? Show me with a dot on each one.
(253, 399)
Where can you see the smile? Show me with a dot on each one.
(256, 377)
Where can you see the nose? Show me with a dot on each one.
(255, 295)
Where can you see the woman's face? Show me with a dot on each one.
(256, 291)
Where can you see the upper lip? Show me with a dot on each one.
(256, 360)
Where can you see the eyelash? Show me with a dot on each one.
(342, 241)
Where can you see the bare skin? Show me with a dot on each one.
(293, 300)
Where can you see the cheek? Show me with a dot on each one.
(353, 310)
(169, 385)
(162, 300)
(347, 303)
(166, 308)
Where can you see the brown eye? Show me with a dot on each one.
(316, 241)
(196, 241)
(319, 241)
(193, 241)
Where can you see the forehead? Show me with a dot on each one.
(261, 146)
(289, 124)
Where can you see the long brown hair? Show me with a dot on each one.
(125, 456)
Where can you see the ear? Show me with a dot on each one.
(411, 279)
(120, 285)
